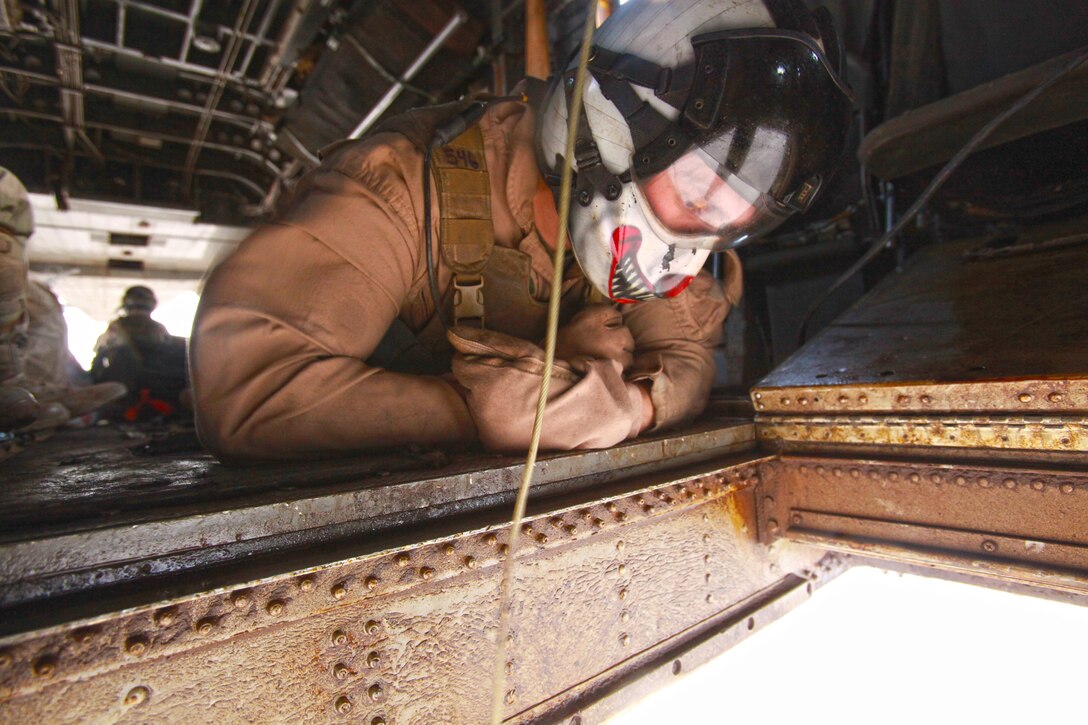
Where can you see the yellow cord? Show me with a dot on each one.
(498, 695)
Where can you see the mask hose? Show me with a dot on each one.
(575, 109)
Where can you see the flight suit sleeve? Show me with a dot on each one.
(286, 324)
(673, 342)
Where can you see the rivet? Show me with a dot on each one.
(136, 696)
(915, 478)
(527, 529)
(796, 519)
(926, 400)
(936, 478)
(470, 562)
(625, 639)
(803, 401)
(761, 406)
(205, 625)
(597, 523)
(373, 660)
(706, 538)
(666, 499)
(555, 521)
(854, 473)
(863, 399)
(621, 545)
(709, 598)
(1010, 483)
(961, 481)
(340, 671)
(343, 705)
(402, 560)
(984, 482)
(44, 667)
(622, 594)
(612, 508)
(837, 471)
(1038, 485)
(803, 468)
(570, 529)
(622, 516)
(504, 549)
(625, 616)
(893, 476)
(275, 607)
(772, 524)
(240, 600)
(375, 692)
(903, 399)
(647, 509)
(449, 550)
(989, 546)
(509, 668)
(1055, 397)
(371, 627)
(706, 518)
(339, 637)
(621, 569)
(586, 515)
(491, 540)
(707, 578)
(843, 399)
(759, 396)
(1024, 397)
(821, 470)
(371, 583)
(706, 559)
(509, 697)
(379, 720)
(306, 584)
(426, 573)
(339, 591)
(1067, 488)
(165, 618)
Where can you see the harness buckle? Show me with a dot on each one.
(468, 301)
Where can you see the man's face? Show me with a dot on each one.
(690, 198)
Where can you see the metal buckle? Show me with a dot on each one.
(468, 300)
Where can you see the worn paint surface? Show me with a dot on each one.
(405, 634)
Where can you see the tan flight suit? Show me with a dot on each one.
(287, 324)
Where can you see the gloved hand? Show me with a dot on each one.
(589, 403)
(597, 332)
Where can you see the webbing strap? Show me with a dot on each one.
(466, 231)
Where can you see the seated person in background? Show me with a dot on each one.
(37, 395)
(140, 353)
(349, 324)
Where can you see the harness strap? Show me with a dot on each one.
(466, 231)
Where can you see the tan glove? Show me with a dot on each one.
(589, 403)
(673, 338)
(597, 332)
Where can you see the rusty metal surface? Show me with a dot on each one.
(404, 634)
(1062, 434)
(280, 514)
(1026, 522)
(949, 335)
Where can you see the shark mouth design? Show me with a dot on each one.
(627, 282)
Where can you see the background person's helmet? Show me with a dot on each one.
(139, 299)
(707, 123)
(16, 216)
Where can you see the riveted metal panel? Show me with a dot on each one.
(996, 518)
(1021, 433)
(405, 634)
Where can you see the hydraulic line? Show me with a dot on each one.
(574, 114)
